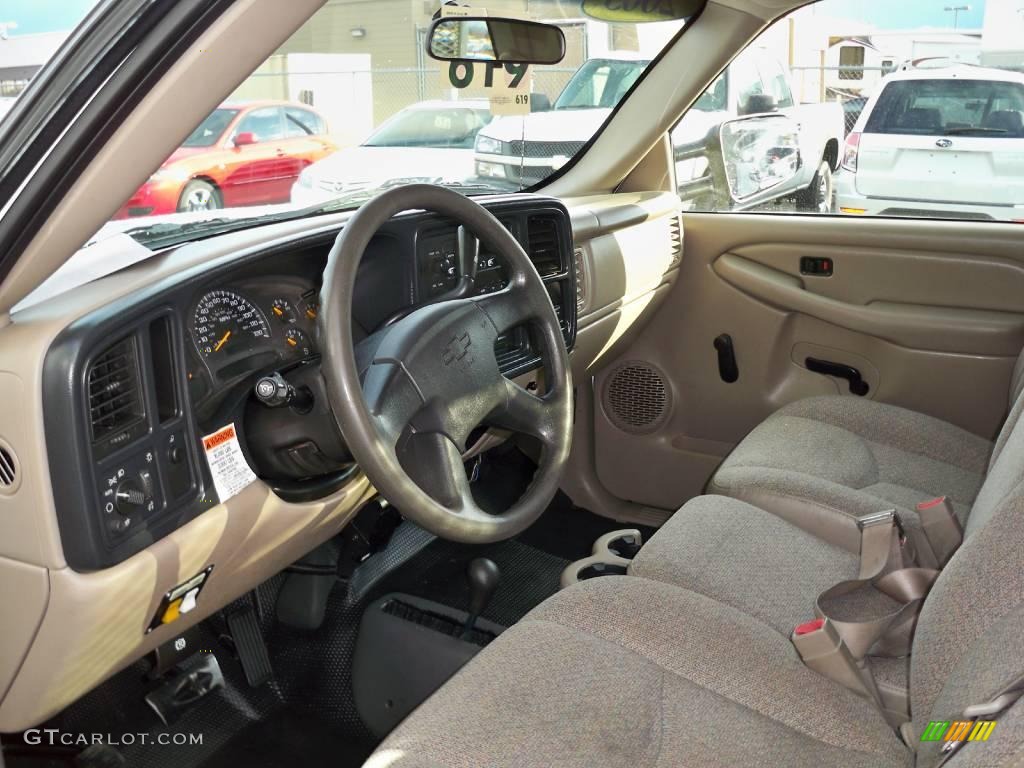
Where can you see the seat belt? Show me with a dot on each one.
(1005, 698)
(885, 555)
(941, 528)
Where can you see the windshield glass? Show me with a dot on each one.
(352, 104)
(600, 84)
(440, 127)
(211, 129)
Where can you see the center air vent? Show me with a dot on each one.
(636, 398)
(542, 236)
(115, 398)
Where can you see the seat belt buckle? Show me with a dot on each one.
(885, 517)
(822, 649)
(941, 527)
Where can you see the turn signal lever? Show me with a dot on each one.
(275, 392)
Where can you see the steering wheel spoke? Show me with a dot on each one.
(509, 307)
(392, 398)
(525, 413)
(435, 464)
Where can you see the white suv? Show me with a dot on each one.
(941, 143)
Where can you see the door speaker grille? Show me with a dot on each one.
(636, 397)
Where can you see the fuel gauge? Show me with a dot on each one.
(298, 342)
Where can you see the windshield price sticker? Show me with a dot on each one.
(231, 472)
(506, 84)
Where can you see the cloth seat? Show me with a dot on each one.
(626, 671)
(744, 557)
(824, 461)
(621, 671)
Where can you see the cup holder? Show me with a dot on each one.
(595, 570)
(611, 556)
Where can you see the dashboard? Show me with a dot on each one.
(137, 385)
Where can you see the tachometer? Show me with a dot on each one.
(225, 323)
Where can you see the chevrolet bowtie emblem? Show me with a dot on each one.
(457, 349)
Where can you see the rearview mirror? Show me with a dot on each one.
(495, 39)
(244, 139)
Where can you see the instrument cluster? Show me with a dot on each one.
(269, 321)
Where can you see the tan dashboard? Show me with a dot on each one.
(65, 631)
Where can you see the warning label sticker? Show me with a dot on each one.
(231, 472)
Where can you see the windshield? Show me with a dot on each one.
(441, 128)
(600, 83)
(211, 129)
(352, 104)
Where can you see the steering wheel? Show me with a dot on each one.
(426, 381)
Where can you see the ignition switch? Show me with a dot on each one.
(275, 392)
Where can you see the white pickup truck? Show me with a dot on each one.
(744, 142)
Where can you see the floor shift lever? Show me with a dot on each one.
(483, 576)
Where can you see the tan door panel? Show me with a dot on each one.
(936, 327)
(930, 313)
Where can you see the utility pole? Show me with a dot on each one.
(955, 10)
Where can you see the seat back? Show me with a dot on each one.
(1016, 407)
(969, 641)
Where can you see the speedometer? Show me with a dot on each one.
(225, 323)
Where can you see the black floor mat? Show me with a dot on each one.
(287, 739)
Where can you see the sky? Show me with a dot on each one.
(903, 14)
(52, 15)
(43, 15)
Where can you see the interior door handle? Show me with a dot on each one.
(858, 386)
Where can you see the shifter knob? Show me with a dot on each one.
(483, 576)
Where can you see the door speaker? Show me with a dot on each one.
(636, 397)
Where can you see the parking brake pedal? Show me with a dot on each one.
(252, 651)
(185, 687)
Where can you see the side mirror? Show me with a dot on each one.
(492, 38)
(244, 139)
(759, 153)
(759, 104)
(539, 102)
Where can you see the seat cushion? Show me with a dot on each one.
(822, 462)
(622, 671)
(745, 557)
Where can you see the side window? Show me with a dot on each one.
(302, 122)
(264, 124)
(747, 83)
(841, 109)
(774, 77)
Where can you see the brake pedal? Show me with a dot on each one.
(252, 651)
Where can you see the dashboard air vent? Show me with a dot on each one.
(675, 233)
(542, 236)
(8, 468)
(581, 280)
(115, 397)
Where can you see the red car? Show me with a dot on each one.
(242, 154)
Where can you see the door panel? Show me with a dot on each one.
(931, 314)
